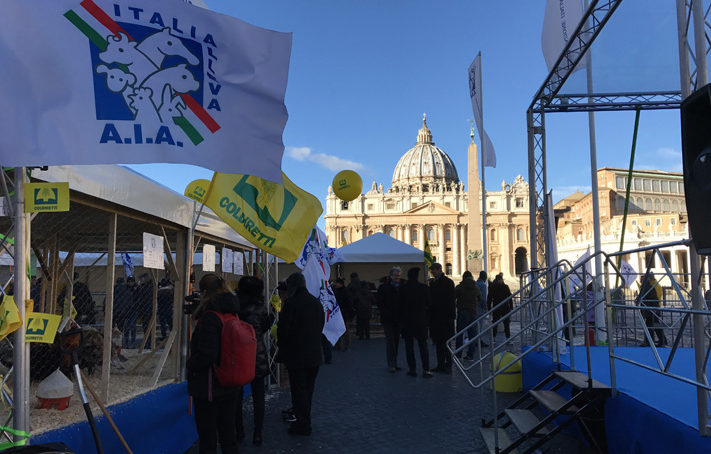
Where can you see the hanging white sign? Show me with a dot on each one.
(226, 262)
(153, 251)
(208, 257)
(238, 263)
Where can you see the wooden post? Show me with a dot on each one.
(180, 290)
(109, 309)
(54, 252)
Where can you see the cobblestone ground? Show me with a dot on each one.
(359, 407)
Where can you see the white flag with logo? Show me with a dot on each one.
(315, 263)
(629, 274)
(576, 278)
(488, 151)
(559, 22)
(119, 81)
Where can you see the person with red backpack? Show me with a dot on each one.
(214, 405)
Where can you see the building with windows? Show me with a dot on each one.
(426, 199)
(656, 214)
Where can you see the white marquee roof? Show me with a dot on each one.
(380, 247)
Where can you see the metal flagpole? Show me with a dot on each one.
(20, 390)
(599, 310)
(483, 179)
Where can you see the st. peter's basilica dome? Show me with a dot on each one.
(424, 167)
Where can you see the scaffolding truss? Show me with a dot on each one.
(692, 23)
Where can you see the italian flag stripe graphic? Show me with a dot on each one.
(102, 17)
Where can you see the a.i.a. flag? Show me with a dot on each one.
(129, 81)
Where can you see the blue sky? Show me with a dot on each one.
(363, 72)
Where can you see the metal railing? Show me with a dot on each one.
(548, 295)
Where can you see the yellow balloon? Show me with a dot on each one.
(347, 185)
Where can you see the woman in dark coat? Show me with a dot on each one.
(413, 304)
(253, 311)
(215, 406)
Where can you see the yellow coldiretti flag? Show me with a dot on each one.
(9, 316)
(276, 218)
(429, 260)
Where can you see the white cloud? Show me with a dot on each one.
(328, 161)
(298, 153)
(663, 158)
(669, 153)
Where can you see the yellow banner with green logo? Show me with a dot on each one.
(42, 327)
(9, 316)
(274, 217)
(46, 197)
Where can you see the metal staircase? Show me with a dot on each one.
(570, 397)
(530, 416)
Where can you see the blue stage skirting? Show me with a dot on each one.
(652, 413)
(156, 422)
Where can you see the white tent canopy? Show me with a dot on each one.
(380, 247)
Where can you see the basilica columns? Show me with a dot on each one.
(455, 250)
(463, 249)
(442, 246)
(421, 236)
(407, 234)
(399, 230)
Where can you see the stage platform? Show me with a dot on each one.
(652, 413)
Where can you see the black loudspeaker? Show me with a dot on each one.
(696, 154)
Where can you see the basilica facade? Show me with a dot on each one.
(426, 199)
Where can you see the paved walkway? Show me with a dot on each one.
(359, 407)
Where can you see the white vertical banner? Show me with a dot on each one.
(153, 251)
(226, 260)
(475, 92)
(208, 257)
(238, 263)
(552, 257)
(559, 22)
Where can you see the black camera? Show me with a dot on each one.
(191, 303)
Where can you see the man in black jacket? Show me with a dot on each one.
(345, 302)
(468, 298)
(442, 314)
(387, 299)
(299, 333)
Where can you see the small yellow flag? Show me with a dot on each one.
(276, 218)
(46, 197)
(197, 190)
(42, 327)
(9, 316)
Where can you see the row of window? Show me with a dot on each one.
(519, 202)
(649, 204)
(657, 222)
(651, 185)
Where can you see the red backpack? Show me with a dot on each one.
(238, 352)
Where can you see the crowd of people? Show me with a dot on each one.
(218, 409)
(414, 312)
(409, 310)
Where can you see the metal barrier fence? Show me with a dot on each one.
(86, 265)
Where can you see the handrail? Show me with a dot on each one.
(531, 298)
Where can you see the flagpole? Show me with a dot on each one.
(483, 179)
(600, 310)
(20, 394)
